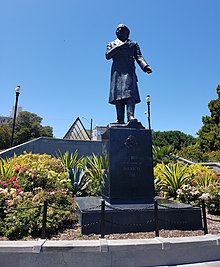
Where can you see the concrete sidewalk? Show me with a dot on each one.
(155, 252)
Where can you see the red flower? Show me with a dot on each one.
(5, 184)
(16, 185)
(13, 179)
(218, 173)
(17, 170)
(19, 190)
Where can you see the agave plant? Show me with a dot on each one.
(75, 168)
(171, 177)
(79, 180)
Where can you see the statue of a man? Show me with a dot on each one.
(123, 87)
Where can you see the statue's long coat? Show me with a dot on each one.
(123, 77)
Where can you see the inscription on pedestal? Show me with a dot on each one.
(133, 167)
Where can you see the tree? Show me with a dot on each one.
(27, 127)
(209, 134)
(193, 153)
(177, 139)
(5, 135)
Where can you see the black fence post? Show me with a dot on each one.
(44, 222)
(205, 228)
(102, 221)
(156, 218)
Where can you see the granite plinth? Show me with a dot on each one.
(127, 218)
(129, 178)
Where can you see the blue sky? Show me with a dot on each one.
(55, 50)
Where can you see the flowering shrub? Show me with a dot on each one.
(205, 196)
(212, 199)
(189, 194)
(10, 186)
(192, 183)
(23, 215)
(26, 181)
(35, 170)
(31, 179)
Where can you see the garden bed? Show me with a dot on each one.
(72, 234)
(75, 234)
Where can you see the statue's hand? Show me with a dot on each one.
(148, 69)
(122, 44)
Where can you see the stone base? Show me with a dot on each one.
(129, 178)
(131, 124)
(136, 217)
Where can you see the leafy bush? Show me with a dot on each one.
(202, 175)
(213, 156)
(24, 214)
(193, 153)
(35, 170)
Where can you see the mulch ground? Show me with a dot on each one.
(213, 224)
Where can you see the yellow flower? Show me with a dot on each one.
(13, 191)
(5, 191)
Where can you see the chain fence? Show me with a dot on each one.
(102, 220)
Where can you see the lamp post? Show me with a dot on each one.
(90, 131)
(17, 92)
(148, 111)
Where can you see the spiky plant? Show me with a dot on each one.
(96, 170)
(171, 177)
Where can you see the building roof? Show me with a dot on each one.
(77, 131)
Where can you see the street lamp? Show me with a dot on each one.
(148, 111)
(90, 131)
(17, 92)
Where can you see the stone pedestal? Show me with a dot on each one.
(131, 218)
(128, 189)
(129, 179)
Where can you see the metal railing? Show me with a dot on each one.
(103, 220)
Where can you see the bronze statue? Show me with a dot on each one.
(123, 85)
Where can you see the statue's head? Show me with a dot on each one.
(122, 32)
